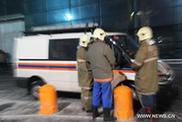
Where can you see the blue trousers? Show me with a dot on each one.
(102, 92)
(148, 100)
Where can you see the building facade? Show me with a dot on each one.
(113, 15)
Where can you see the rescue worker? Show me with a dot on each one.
(3, 61)
(102, 62)
(84, 74)
(145, 64)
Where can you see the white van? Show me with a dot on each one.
(52, 59)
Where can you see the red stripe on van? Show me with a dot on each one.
(46, 66)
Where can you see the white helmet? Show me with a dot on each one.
(145, 33)
(84, 40)
(99, 34)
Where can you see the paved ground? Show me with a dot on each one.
(17, 106)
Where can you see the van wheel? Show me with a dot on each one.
(34, 87)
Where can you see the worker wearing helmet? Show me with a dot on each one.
(84, 74)
(145, 64)
(102, 61)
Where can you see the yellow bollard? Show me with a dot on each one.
(123, 103)
(48, 100)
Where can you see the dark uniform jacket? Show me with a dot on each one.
(146, 65)
(84, 71)
(102, 61)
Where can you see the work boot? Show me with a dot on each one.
(107, 115)
(151, 111)
(87, 110)
(95, 112)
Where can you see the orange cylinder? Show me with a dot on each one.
(123, 103)
(48, 100)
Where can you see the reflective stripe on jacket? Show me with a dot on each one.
(102, 60)
(84, 73)
(146, 65)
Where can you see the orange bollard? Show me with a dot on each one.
(123, 103)
(48, 100)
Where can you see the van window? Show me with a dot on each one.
(122, 43)
(63, 49)
(129, 45)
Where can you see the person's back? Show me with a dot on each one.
(101, 59)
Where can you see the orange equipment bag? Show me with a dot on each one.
(123, 103)
(48, 100)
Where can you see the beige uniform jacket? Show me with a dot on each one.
(84, 71)
(2, 57)
(102, 60)
(146, 65)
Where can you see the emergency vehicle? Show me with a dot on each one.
(51, 59)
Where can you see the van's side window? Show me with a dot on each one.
(63, 49)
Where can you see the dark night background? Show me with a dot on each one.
(113, 15)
